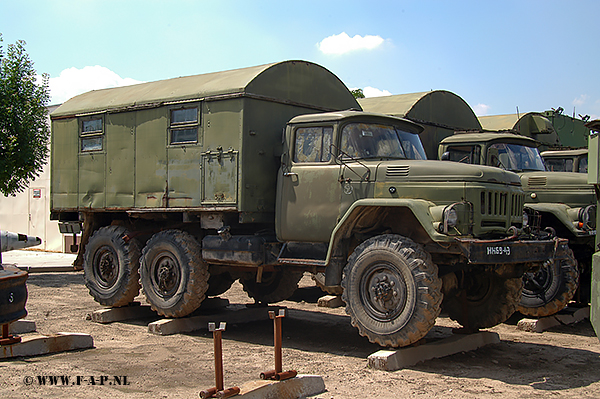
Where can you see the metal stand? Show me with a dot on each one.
(8, 339)
(278, 374)
(217, 391)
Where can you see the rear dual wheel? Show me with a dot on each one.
(174, 276)
(111, 264)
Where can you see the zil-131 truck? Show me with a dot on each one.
(261, 174)
(562, 203)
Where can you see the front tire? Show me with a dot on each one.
(392, 290)
(111, 266)
(174, 276)
(549, 290)
(484, 300)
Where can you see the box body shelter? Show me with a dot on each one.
(201, 142)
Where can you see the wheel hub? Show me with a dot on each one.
(386, 294)
(166, 276)
(107, 268)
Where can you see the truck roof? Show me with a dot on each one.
(269, 81)
(351, 113)
(487, 136)
(562, 153)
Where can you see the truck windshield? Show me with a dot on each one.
(516, 157)
(371, 140)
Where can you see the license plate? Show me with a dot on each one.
(498, 250)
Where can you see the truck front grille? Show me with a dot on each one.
(500, 208)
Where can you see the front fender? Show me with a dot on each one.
(562, 214)
(365, 209)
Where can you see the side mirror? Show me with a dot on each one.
(445, 156)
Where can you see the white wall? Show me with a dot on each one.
(29, 212)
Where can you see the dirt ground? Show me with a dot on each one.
(563, 362)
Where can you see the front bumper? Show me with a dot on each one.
(507, 251)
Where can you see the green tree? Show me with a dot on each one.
(24, 131)
(358, 93)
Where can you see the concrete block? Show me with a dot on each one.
(565, 316)
(132, 312)
(42, 345)
(301, 386)
(21, 326)
(232, 314)
(330, 301)
(391, 360)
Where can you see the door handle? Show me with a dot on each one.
(290, 174)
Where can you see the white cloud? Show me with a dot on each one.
(342, 43)
(579, 101)
(481, 109)
(73, 81)
(373, 92)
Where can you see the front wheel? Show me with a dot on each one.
(549, 290)
(392, 290)
(173, 275)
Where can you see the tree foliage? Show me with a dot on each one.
(358, 93)
(24, 131)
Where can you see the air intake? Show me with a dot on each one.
(397, 171)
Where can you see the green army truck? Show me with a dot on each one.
(561, 203)
(186, 185)
(566, 160)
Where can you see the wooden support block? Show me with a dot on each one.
(330, 301)
(42, 345)
(409, 356)
(301, 386)
(231, 315)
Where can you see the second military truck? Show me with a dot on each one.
(261, 174)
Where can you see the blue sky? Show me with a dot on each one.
(496, 55)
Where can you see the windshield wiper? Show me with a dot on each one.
(339, 158)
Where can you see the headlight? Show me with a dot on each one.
(587, 217)
(450, 217)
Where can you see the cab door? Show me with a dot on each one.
(308, 190)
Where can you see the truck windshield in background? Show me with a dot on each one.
(369, 140)
(513, 157)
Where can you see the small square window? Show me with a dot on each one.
(91, 144)
(91, 126)
(184, 126)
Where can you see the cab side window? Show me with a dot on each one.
(465, 154)
(313, 144)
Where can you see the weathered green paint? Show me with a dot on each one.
(557, 193)
(440, 112)
(241, 112)
(531, 124)
(595, 306)
(572, 132)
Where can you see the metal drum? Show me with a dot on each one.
(13, 294)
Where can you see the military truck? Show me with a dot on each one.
(261, 174)
(566, 160)
(562, 203)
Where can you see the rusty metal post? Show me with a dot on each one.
(277, 338)
(217, 391)
(277, 373)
